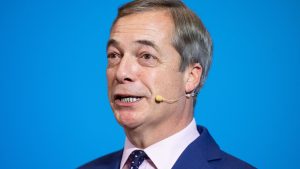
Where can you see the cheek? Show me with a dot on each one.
(173, 85)
(149, 79)
(164, 82)
(109, 76)
(110, 80)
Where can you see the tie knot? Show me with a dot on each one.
(136, 158)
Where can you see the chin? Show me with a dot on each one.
(126, 118)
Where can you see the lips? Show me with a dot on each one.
(119, 98)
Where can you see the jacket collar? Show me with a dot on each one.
(111, 161)
(199, 152)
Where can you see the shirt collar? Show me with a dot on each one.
(165, 153)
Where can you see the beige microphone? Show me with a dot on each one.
(159, 98)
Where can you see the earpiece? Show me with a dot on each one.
(159, 98)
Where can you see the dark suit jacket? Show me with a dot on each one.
(203, 153)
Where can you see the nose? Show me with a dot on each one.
(127, 69)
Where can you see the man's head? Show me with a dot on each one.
(190, 37)
(156, 47)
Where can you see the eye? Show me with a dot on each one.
(147, 59)
(147, 56)
(113, 58)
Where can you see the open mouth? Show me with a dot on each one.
(127, 99)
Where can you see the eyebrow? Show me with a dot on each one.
(148, 43)
(113, 42)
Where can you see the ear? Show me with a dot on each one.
(193, 77)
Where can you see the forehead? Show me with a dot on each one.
(150, 25)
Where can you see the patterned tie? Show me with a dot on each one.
(136, 158)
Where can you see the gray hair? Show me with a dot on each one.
(191, 39)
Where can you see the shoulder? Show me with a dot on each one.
(228, 161)
(111, 160)
(210, 153)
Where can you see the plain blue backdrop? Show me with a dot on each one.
(54, 111)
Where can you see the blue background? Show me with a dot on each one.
(54, 111)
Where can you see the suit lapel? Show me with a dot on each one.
(198, 154)
(110, 161)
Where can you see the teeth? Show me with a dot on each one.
(130, 99)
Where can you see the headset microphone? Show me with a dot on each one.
(159, 98)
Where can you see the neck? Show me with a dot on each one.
(143, 137)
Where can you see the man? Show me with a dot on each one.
(159, 54)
